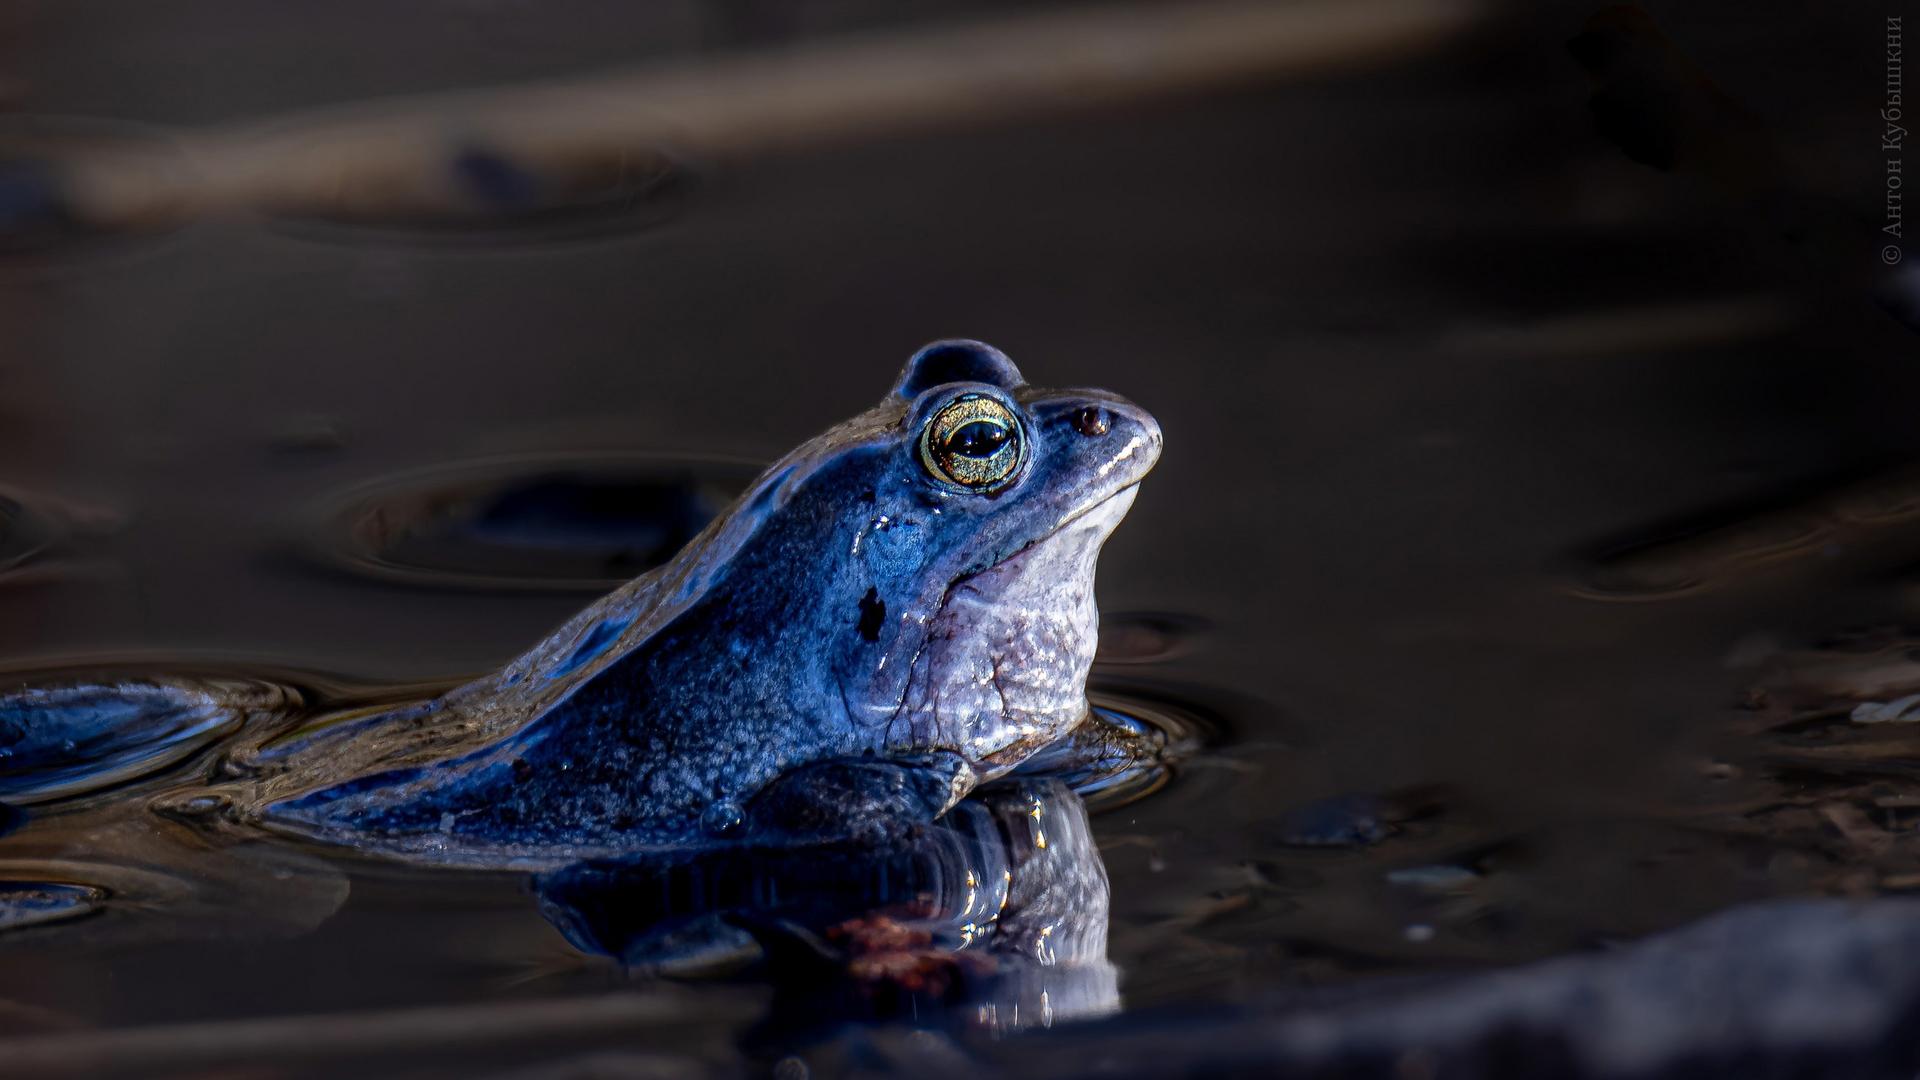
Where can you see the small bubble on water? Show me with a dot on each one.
(722, 818)
(198, 806)
(1438, 878)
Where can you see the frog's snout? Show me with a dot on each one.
(1132, 431)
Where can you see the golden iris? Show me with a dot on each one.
(974, 442)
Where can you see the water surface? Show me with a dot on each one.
(1530, 525)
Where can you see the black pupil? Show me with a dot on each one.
(976, 439)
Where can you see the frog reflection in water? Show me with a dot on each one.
(896, 612)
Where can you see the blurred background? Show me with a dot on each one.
(1531, 374)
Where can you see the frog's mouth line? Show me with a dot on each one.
(1041, 541)
(1105, 500)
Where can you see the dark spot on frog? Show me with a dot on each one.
(873, 611)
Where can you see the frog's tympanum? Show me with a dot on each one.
(894, 613)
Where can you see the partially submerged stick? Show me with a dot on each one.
(498, 150)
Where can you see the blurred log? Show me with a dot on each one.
(527, 148)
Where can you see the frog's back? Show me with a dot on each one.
(658, 749)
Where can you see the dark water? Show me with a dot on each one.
(1531, 519)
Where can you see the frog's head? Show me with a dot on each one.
(942, 548)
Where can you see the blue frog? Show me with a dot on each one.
(896, 612)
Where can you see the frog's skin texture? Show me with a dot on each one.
(857, 639)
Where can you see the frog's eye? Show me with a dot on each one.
(973, 442)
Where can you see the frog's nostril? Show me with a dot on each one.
(1093, 421)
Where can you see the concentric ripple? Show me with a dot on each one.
(37, 903)
(573, 522)
(1142, 742)
(71, 737)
